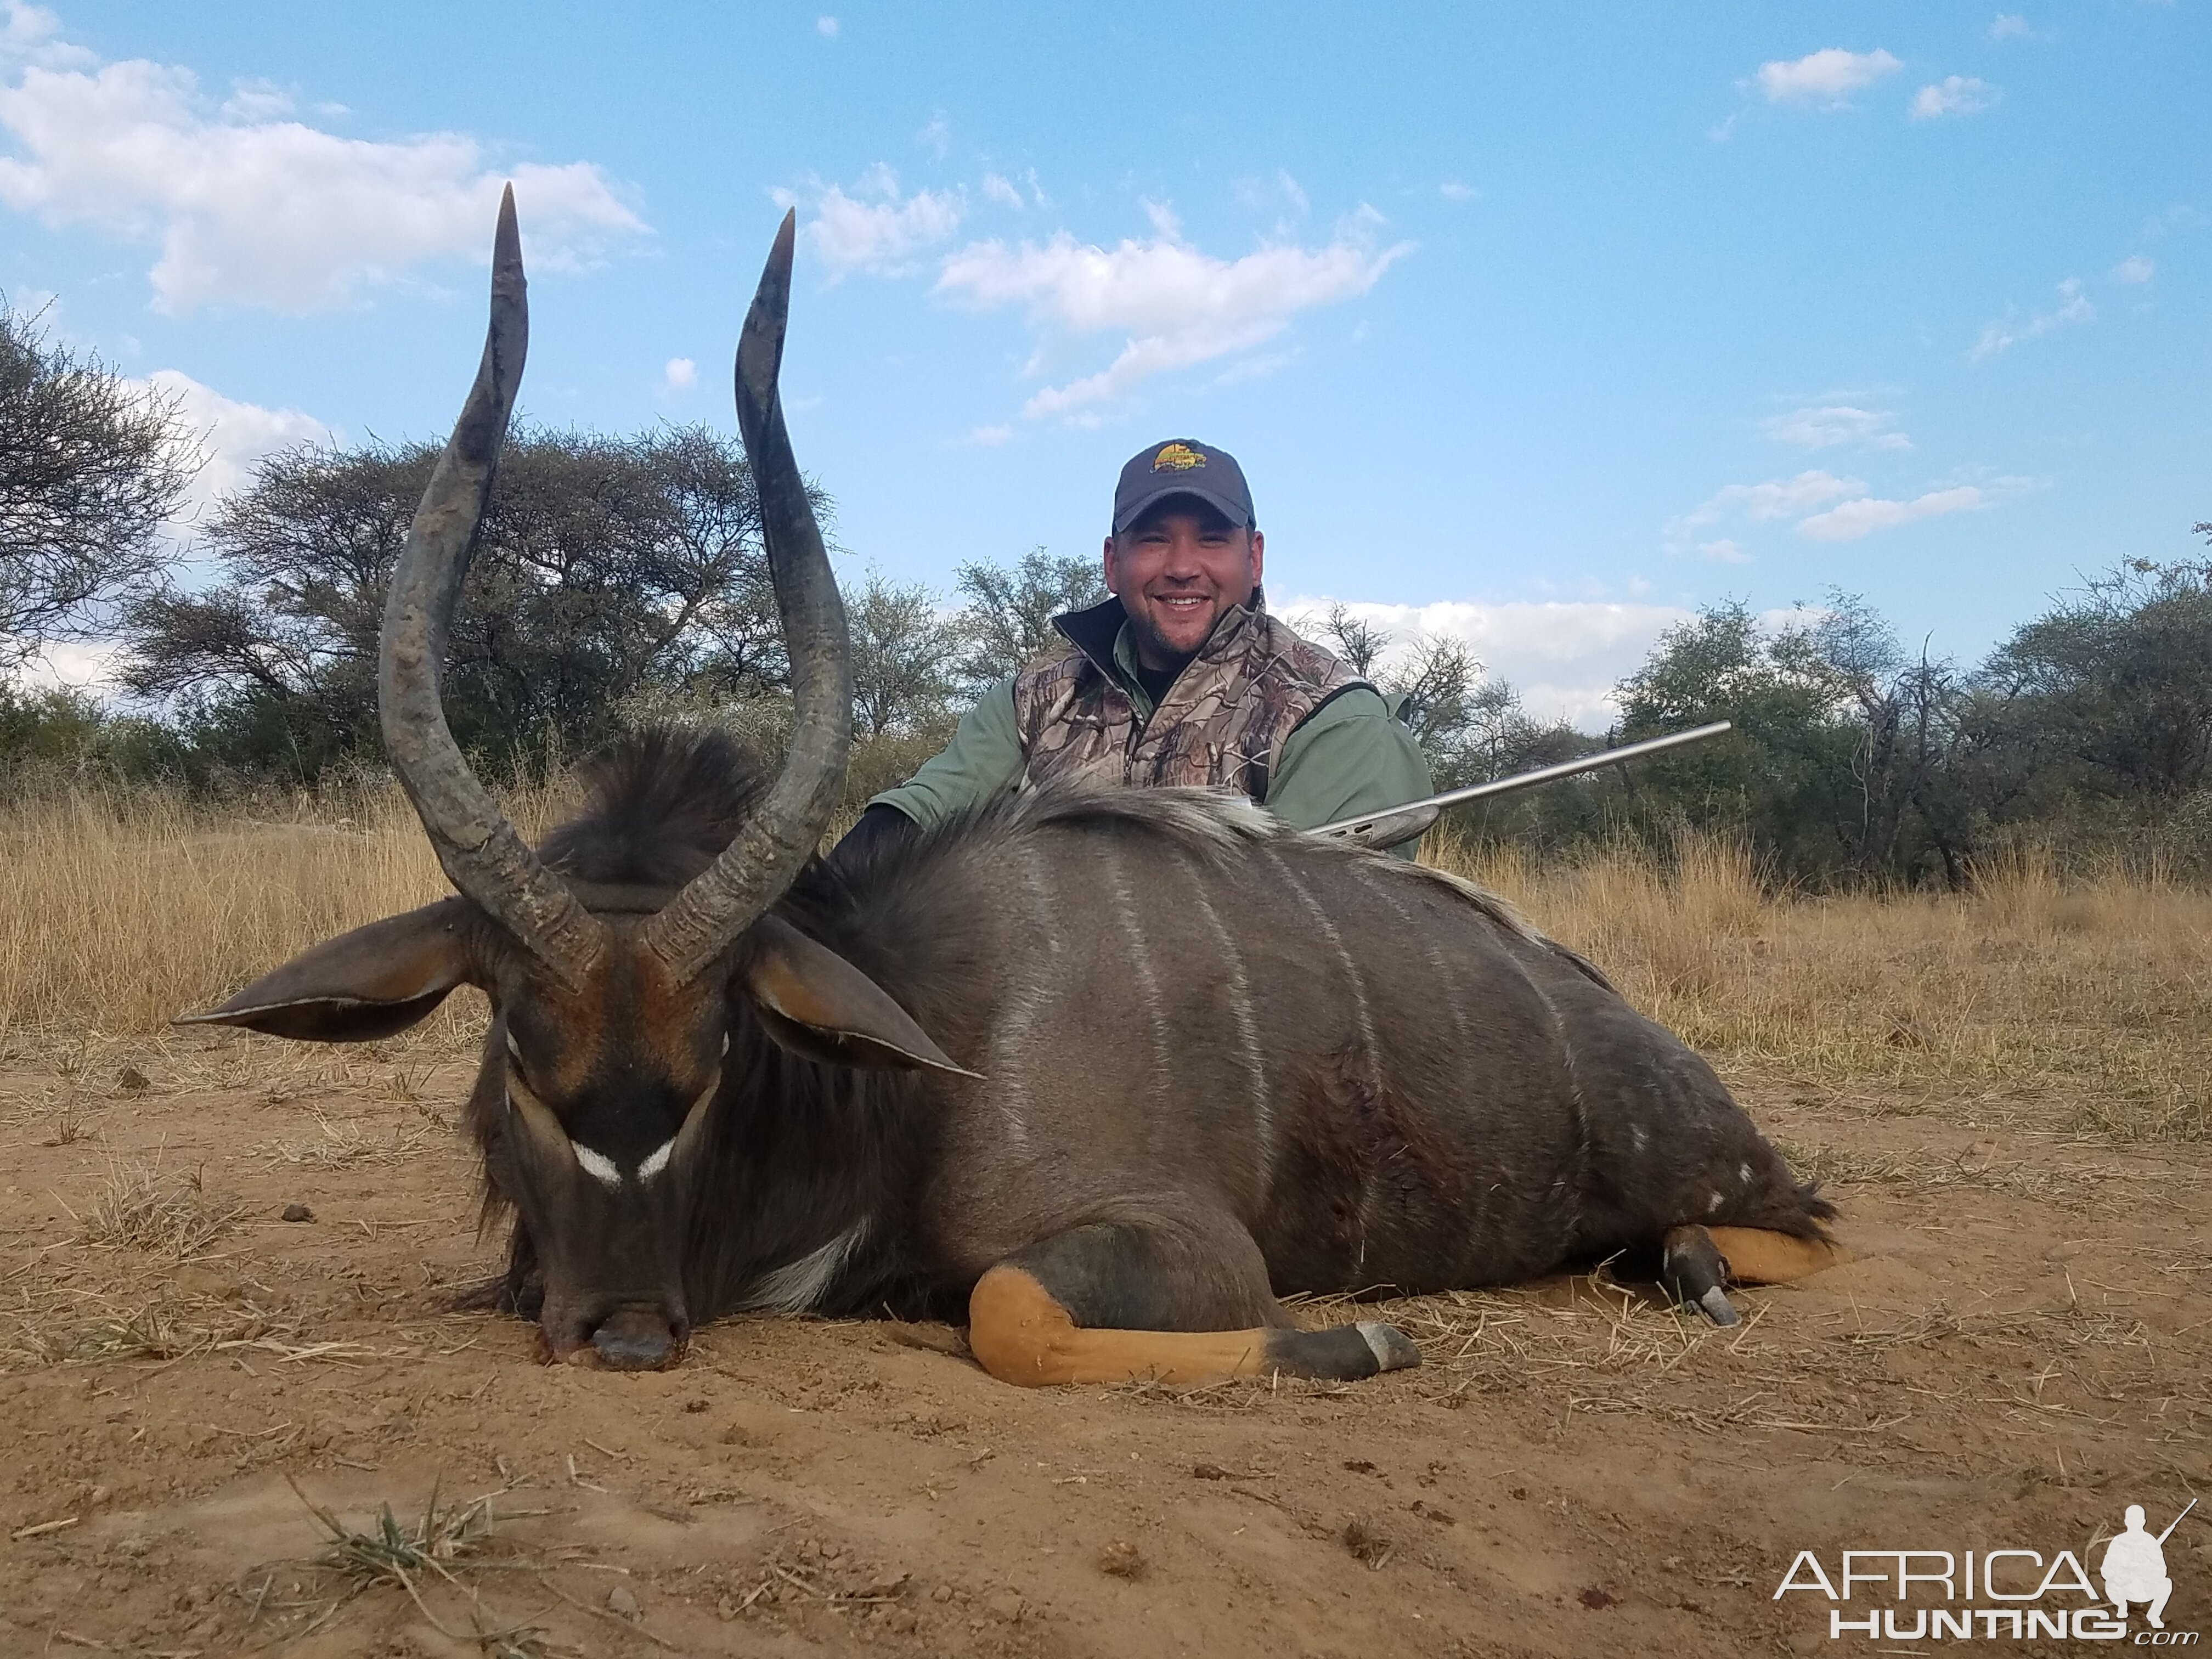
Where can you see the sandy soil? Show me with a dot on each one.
(2020, 1351)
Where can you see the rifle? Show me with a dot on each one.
(2177, 1521)
(1394, 824)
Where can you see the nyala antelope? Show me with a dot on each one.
(1113, 1072)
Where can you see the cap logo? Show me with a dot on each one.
(1177, 457)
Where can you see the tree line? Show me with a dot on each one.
(620, 578)
(1856, 760)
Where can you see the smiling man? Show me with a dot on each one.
(1181, 677)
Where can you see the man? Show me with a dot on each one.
(2135, 1568)
(1180, 677)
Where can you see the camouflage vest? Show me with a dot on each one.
(1222, 722)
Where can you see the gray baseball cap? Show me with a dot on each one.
(1181, 466)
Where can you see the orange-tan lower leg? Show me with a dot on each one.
(1020, 1334)
(1758, 1255)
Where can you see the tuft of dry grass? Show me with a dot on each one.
(53, 1316)
(2028, 989)
(342, 1146)
(136, 1208)
(386, 1549)
(434, 1552)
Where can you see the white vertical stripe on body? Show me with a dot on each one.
(1370, 1056)
(1028, 997)
(1379, 882)
(1142, 967)
(1325, 925)
(1248, 1031)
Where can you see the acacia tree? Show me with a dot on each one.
(1008, 617)
(1358, 642)
(1782, 775)
(606, 568)
(903, 655)
(90, 466)
(2107, 696)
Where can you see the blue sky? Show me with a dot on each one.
(1541, 324)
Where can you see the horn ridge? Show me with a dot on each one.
(481, 854)
(761, 860)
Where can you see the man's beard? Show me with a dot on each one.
(1150, 638)
(1152, 643)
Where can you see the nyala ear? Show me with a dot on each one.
(360, 986)
(815, 1003)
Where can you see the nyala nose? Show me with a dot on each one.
(636, 1339)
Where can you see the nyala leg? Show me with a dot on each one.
(1114, 1302)
(1695, 1273)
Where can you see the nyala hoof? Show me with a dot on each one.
(1695, 1274)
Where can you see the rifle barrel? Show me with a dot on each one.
(2176, 1522)
(1364, 827)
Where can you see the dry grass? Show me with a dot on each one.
(137, 1207)
(343, 1145)
(53, 1311)
(430, 1555)
(2028, 990)
(1604, 1349)
(1595, 1346)
(118, 913)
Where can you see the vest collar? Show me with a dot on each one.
(1096, 630)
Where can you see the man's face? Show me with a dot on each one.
(1176, 570)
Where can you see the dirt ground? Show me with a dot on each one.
(2019, 1352)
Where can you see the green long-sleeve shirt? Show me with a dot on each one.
(1349, 757)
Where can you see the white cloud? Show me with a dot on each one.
(2134, 268)
(826, 28)
(1175, 305)
(936, 137)
(2179, 216)
(2073, 307)
(248, 208)
(1823, 426)
(1956, 94)
(1848, 520)
(680, 375)
(984, 437)
(1777, 498)
(31, 35)
(1255, 367)
(1826, 77)
(2010, 25)
(1453, 191)
(1563, 657)
(878, 229)
(233, 435)
(1828, 508)
(998, 188)
(92, 665)
(258, 100)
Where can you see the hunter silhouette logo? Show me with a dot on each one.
(2023, 1594)
(2135, 1566)
(1177, 457)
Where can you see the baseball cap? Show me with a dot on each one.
(1181, 466)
